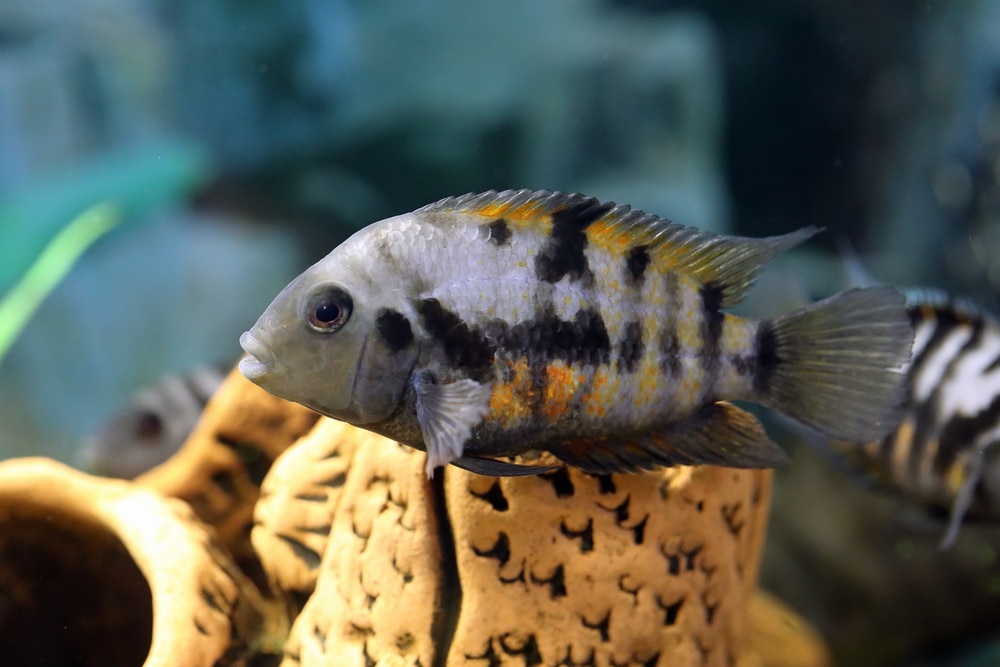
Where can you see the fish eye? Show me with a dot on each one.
(328, 309)
(149, 426)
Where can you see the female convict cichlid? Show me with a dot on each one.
(490, 325)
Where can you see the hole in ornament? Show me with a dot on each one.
(607, 484)
(528, 650)
(670, 611)
(499, 551)
(71, 595)
(561, 482)
(225, 482)
(639, 530)
(556, 582)
(603, 626)
(495, 497)
(253, 457)
(586, 536)
(310, 557)
(490, 656)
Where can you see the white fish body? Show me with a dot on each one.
(489, 325)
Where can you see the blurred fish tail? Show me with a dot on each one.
(836, 366)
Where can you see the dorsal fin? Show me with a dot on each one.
(943, 303)
(731, 262)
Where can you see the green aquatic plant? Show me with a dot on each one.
(21, 302)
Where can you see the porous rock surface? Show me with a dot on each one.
(559, 569)
(219, 470)
(101, 572)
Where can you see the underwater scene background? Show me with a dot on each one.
(240, 142)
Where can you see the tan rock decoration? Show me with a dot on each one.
(562, 569)
(381, 587)
(650, 569)
(102, 572)
(780, 638)
(221, 466)
(298, 501)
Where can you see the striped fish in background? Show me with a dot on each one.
(943, 454)
(153, 426)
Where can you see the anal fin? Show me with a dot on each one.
(719, 434)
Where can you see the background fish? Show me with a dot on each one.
(153, 425)
(494, 324)
(943, 454)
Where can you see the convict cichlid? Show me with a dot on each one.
(494, 324)
(944, 453)
(154, 424)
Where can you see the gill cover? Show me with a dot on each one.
(317, 344)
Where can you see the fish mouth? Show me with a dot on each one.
(259, 360)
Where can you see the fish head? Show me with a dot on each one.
(139, 438)
(322, 342)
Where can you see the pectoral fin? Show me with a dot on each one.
(965, 495)
(447, 413)
(719, 434)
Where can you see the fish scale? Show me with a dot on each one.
(628, 398)
(494, 324)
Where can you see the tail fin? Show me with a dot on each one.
(836, 365)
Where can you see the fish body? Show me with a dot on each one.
(943, 455)
(496, 324)
(153, 426)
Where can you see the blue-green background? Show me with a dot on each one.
(243, 140)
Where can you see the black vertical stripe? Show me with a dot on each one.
(464, 348)
(944, 323)
(992, 366)
(498, 232)
(636, 261)
(949, 448)
(928, 425)
(564, 254)
(960, 433)
(711, 333)
(669, 340)
(766, 347)
(631, 347)
(393, 327)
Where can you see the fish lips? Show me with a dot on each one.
(261, 367)
(259, 360)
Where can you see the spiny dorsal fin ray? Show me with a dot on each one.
(732, 262)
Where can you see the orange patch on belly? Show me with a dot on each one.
(510, 402)
(649, 382)
(561, 386)
(602, 394)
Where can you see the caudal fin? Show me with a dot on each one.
(836, 365)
